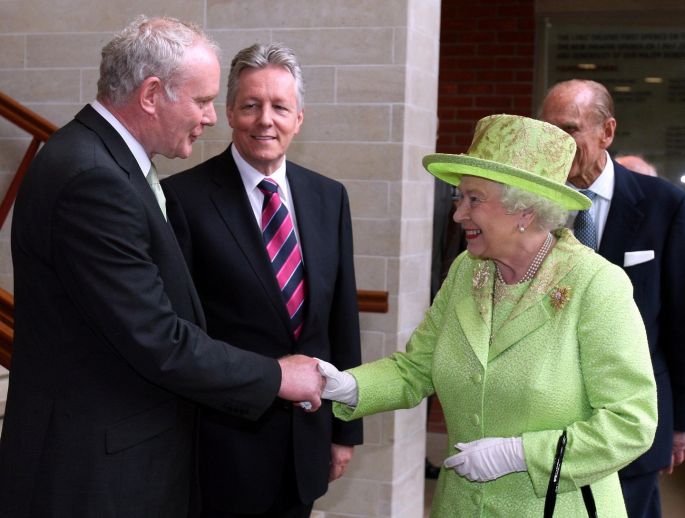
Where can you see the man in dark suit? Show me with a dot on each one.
(637, 222)
(109, 349)
(223, 214)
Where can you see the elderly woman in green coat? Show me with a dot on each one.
(532, 334)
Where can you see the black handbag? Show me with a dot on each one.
(553, 486)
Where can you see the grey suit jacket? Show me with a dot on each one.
(109, 348)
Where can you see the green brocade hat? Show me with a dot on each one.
(525, 153)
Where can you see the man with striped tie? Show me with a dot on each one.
(269, 246)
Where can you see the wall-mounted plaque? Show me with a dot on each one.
(644, 69)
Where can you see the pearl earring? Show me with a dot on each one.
(522, 229)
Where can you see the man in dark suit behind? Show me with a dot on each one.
(640, 225)
(109, 349)
(218, 210)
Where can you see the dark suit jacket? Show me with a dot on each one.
(108, 347)
(241, 463)
(649, 214)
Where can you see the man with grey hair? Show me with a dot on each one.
(638, 223)
(269, 246)
(109, 347)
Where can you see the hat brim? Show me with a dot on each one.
(450, 169)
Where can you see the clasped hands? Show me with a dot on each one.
(306, 381)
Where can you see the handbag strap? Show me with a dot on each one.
(589, 501)
(553, 485)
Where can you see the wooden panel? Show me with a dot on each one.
(369, 301)
(372, 301)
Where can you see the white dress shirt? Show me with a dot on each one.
(251, 178)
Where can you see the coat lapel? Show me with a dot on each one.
(231, 202)
(310, 211)
(625, 216)
(111, 139)
(122, 155)
(474, 313)
(535, 307)
(519, 327)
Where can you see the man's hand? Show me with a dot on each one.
(301, 380)
(678, 455)
(340, 458)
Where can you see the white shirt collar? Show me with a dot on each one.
(251, 177)
(136, 148)
(604, 184)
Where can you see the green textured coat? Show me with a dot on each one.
(573, 355)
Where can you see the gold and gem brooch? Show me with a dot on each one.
(560, 296)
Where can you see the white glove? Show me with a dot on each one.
(489, 458)
(340, 386)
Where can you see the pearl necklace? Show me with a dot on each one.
(534, 265)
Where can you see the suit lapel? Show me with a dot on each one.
(310, 211)
(231, 202)
(112, 140)
(624, 218)
(122, 155)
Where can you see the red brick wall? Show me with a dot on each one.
(486, 65)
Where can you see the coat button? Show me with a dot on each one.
(476, 378)
(475, 419)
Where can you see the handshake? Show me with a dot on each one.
(307, 381)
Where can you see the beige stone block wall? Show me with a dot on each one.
(370, 71)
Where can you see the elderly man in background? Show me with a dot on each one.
(269, 246)
(109, 347)
(636, 164)
(638, 223)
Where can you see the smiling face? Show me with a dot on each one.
(265, 116)
(490, 231)
(181, 121)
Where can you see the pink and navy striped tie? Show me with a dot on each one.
(286, 259)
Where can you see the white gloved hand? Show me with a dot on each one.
(340, 386)
(489, 458)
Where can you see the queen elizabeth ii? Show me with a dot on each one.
(531, 335)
